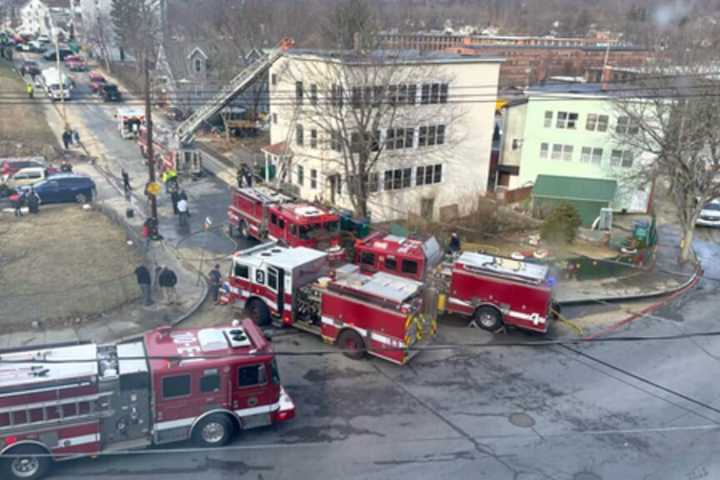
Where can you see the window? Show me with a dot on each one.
(516, 143)
(388, 180)
(411, 94)
(627, 159)
(242, 271)
(567, 153)
(367, 258)
(562, 120)
(440, 134)
(338, 184)
(335, 143)
(336, 94)
(409, 266)
(406, 177)
(591, 122)
(299, 92)
(373, 181)
(356, 97)
(272, 278)
(300, 175)
(313, 179)
(273, 79)
(409, 137)
(198, 65)
(313, 94)
(572, 120)
(435, 93)
(548, 119)
(615, 158)
(210, 381)
(313, 138)
(422, 137)
(425, 94)
(274, 118)
(544, 150)
(397, 179)
(390, 263)
(176, 386)
(428, 175)
(556, 152)
(597, 156)
(626, 126)
(585, 154)
(390, 139)
(252, 375)
(603, 121)
(443, 93)
(299, 140)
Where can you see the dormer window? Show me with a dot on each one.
(198, 65)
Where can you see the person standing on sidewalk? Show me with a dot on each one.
(167, 281)
(143, 279)
(126, 182)
(214, 282)
(175, 198)
(67, 139)
(30, 90)
(183, 212)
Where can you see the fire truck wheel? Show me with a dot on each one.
(25, 464)
(259, 312)
(488, 318)
(213, 431)
(351, 344)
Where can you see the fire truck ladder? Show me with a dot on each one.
(237, 85)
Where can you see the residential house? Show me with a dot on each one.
(573, 130)
(36, 19)
(433, 163)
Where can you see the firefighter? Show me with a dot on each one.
(18, 200)
(454, 246)
(66, 167)
(214, 282)
(183, 211)
(33, 201)
(30, 90)
(126, 182)
(239, 177)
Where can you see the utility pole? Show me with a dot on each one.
(61, 81)
(149, 137)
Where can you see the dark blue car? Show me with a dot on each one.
(64, 187)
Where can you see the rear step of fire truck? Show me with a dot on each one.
(236, 86)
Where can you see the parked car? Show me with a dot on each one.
(30, 68)
(43, 39)
(64, 188)
(110, 92)
(710, 215)
(96, 81)
(11, 166)
(36, 47)
(30, 175)
(75, 63)
(51, 55)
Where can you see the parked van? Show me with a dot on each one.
(57, 84)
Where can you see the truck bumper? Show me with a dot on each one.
(287, 408)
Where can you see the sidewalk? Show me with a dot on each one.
(666, 276)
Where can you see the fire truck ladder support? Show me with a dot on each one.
(237, 85)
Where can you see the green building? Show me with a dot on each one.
(573, 131)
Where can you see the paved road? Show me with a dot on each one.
(490, 411)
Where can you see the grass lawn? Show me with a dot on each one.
(21, 120)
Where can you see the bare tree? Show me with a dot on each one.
(99, 35)
(672, 114)
(137, 27)
(362, 111)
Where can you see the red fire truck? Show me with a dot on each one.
(381, 314)
(263, 214)
(65, 401)
(410, 258)
(496, 291)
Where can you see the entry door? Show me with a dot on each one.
(427, 207)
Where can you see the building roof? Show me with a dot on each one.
(570, 89)
(574, 188)
(276, 149)
(391, 56)
(589, 48)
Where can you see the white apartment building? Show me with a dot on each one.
(435, 141)
(34, 18)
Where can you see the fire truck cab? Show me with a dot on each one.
(262, 214)
(495, 291)
(66, 401)
(406, 257)
(380, 314)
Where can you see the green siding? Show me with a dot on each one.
(574, 188)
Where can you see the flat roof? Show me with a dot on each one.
(391, 56)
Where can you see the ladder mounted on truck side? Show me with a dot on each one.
(184, 132)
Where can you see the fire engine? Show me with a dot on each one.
(496, 291)
(406, 257)
(64, 401)
(381, 314)
(164, 153)
(262, 214)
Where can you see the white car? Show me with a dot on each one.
(710, 215)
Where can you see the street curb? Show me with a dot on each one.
(697, 275)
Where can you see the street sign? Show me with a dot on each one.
(154, 188)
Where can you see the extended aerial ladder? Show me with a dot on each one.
(184, 132)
